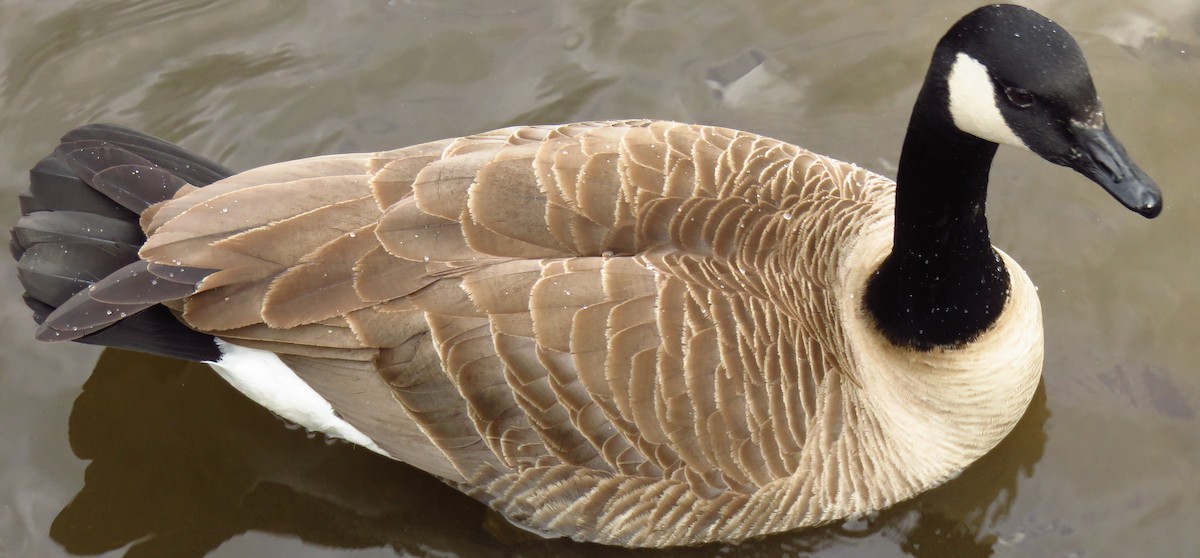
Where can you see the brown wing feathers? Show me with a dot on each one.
(626, 298)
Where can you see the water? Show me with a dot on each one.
(142, 456)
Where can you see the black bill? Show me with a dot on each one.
(1100, 157)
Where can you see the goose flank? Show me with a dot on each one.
(637, 333)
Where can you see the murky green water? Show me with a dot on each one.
(141, 456)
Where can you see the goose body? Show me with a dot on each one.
(640, 333)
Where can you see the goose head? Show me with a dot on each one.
(1008, 75)
(1002, 74)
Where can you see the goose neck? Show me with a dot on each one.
(942, 284)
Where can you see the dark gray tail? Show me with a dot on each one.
(77, 241)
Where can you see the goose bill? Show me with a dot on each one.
(1099, 156)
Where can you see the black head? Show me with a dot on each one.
(1012, 76)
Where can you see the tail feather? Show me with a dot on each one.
(53, 186)
(179, 274)
(83, 314)
(192, 168)
(136, 283)
(52, 272)
(120, 175)
(154, 331)
(137, 187)
(77, 242)
(70, 227)
(120, 294)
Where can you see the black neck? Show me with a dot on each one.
(943, 284)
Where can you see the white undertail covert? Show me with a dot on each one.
(266, 380)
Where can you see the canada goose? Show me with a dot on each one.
(635, 333)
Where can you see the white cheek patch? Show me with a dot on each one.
(973, 103)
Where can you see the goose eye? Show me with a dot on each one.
(1019, 97)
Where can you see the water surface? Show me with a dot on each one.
(117, 454)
